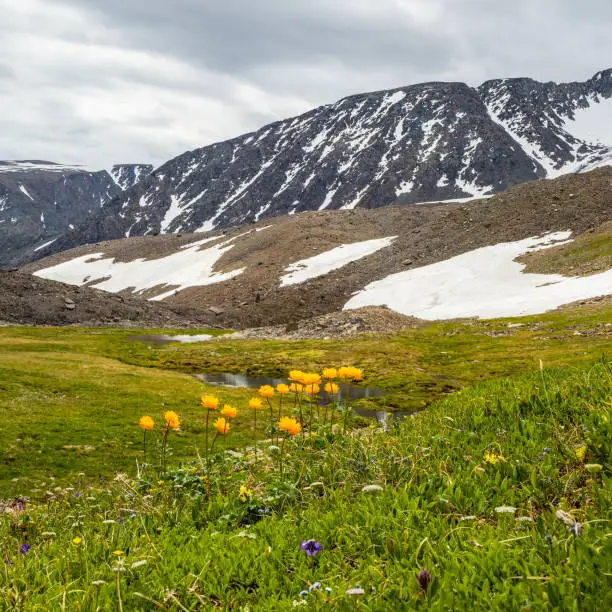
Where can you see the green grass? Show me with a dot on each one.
(186, 541)
(85, 389)
(589, 253)
(65, 411)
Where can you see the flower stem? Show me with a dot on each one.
(282, 451)
(119, 591)
(212, 446)
(271, 417)
(164, 441)
(206, 439)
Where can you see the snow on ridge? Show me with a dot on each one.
(46, 244)
(174, 210)
(486, 283)
(326, 262)
(188, 267)
(25, 192)
(22, 166)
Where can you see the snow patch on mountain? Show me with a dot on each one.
(25, 192)
(485, 283)
(319, 265)
(23, 166)
(188, 267)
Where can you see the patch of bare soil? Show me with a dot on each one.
(29, 300)
(345, 324)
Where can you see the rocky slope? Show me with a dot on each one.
(40, 200)
(422, 143)
(312, 263)
(25, 299)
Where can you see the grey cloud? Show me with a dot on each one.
(242, 63)
(237, 36)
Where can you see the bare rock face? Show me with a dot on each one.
(422, 143)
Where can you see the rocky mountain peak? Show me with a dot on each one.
(421, 143)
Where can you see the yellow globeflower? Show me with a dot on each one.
(210, 401)
(350, 373)
(296, 375)
(357, 374)
(229, 411)
(255, 403)
(296, 388)
(311, 378)
(311, 389)
(221, 425)
(77, 541)
(282, 389)
(172, 419)
(291, 426)
(329, 373)
(245, 493)
(332, 388)
(146, 422)
(266, 391)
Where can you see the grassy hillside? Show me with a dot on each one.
(496, 497)
(72, 397)
(589, 253)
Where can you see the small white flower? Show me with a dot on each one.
(138, 563)
(98, 582)
(372, 488)
(565, 517)
(356, 592)
(505, 509)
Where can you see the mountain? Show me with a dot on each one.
(422, 143)
(428, 261)
(40, 200)
(128, 175)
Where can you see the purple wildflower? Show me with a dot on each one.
(25, 548)
(8, 561)
(311, 547)
(424, 579)
(576, 529)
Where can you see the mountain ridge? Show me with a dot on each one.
(426, 142)
(40, 200)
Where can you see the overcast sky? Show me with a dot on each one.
(106, 81)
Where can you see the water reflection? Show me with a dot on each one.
(356, 392)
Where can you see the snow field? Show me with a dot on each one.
(486, 283)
